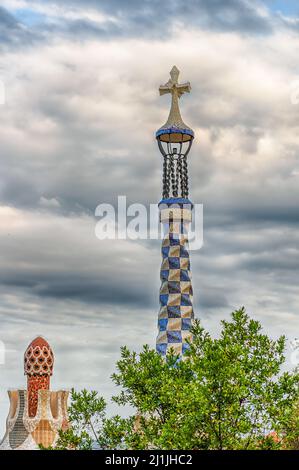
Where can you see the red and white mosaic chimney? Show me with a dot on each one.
(38, 366)
(37, 414)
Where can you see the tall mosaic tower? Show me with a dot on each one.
(36, 414)
(176, 308)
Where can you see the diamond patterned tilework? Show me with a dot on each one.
(176, 293)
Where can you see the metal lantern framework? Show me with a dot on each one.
(175, 140)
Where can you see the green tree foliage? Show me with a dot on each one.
(86, 415)
(227, 393)
(290, 430)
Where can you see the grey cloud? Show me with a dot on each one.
(37, 260)
(153, 19)
(17, 190)
(286, 260)
(7, 20)
(82, 29)
(210, 299)
(231, 15)
(105, 289)
(13, 33)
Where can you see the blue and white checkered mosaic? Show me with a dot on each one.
(176, 294)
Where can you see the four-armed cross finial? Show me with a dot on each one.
(172, 86)
(177, 90)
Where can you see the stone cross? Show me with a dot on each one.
(177, 90)
(172, 86)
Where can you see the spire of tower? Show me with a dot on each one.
(176, 295)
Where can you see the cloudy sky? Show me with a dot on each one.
(77, 129)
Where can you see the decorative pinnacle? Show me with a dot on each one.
(38, 358)
(172, 86)
(177, 90)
